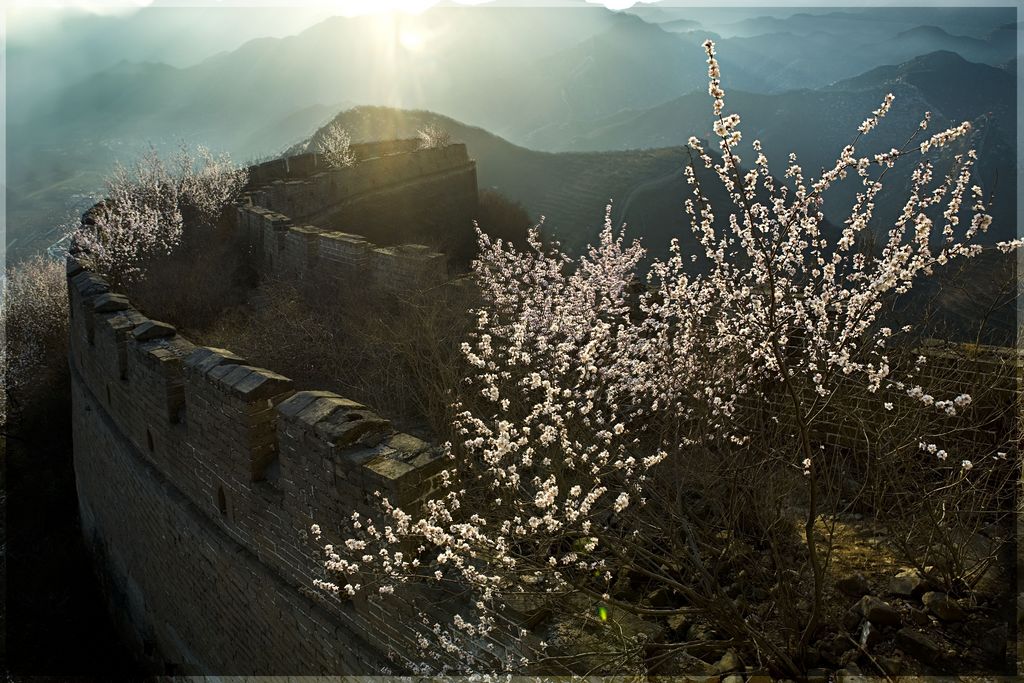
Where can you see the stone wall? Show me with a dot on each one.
(857, 419)
(394, 194)
(276, 245)
(305, 165)
(198, 478)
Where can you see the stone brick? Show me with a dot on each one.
(153, 329)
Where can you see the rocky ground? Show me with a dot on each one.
(885, 621)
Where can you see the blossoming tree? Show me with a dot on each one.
(33, 321)
(334, 144)
(148, 204)
(655, 445)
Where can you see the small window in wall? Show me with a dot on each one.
(149, 440)
(222, 501)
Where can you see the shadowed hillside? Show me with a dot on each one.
(816, 124)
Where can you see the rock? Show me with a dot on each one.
(854, 585)
(848, 676)
(919, 617)
(869, 635)
(829, 650)
(682, 664)
(729, 662)
(878, 611)
(943, 606)
(832, 648)
(918, 646)
(852, 618)
(817, 676)
(698, 632)
(678, 623)
(660, 598)
(908, 584)
(848, 660)
(733, 678)
(110, 303)
(891, 665)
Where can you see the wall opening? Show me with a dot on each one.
(222, 501)
(149, 440)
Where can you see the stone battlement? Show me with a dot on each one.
(171, 436)
(276, 245)
(310, 163)
(395, 195)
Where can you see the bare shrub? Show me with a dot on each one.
(398, 355)
(194, 285)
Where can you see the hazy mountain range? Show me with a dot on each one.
(552, 80)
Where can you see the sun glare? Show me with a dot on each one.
(411, 40)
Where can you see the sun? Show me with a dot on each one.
(411, 40)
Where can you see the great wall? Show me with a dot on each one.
(199, 476)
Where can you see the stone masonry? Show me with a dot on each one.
(198, 479)
(400, 218)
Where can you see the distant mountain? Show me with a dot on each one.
(578, 78)
(260, 97)
(868, 22)
(633, 63)
(816, 124)
(811, 51)
(359, 59)
(281, 134)
(680, 25)
(957, 88)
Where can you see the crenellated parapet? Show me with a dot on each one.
(307, 252)
(400, 217)
(253, 463)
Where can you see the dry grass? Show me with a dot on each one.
(397, 356)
